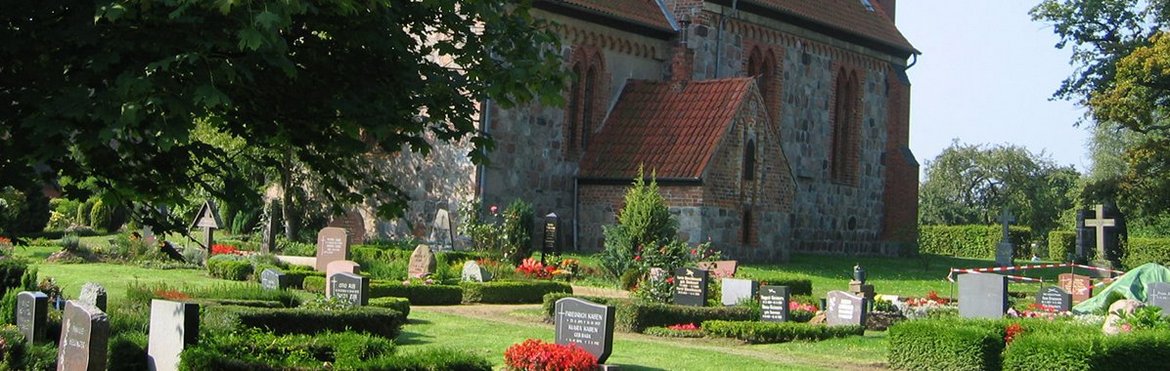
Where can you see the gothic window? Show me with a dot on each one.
(573, 118)
(589, 97)
(845, 147)
(585, 99)
(762, 66)
(749, 160)
(746, 232)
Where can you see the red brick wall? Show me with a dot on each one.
(901, 174)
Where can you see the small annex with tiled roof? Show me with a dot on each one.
(718, 163)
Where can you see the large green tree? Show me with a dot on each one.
(971, 184)
(109, 93)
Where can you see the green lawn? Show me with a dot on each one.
(115, 277)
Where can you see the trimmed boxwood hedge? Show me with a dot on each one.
(1061, 244)
(633, 316)
(1147, 250)
(314, 284)
(399, 304)
(344, 351)
(10, 272)
(777, 332)
(970, 241)
(945, 344)
(229, 267)
(418, 294)
(1143, 350)
(384, 322)
(548, 304)
(511, 292)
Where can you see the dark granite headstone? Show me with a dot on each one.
(690, 286)
(350, 287)
(736, 290)
(982, 295)
(551, 242)
(844, 309)
(32, 310)
(586, 324)
(1158, 295)
(1055, 298)
(774, 303)
(332, 245)
(173, 326)
(93, 294)
(1080, 287)
(341, 266)
(1005, 248)
(271, 279)
(422, 262)
(85, 333)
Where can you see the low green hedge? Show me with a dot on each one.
(777, 332)
(511, 292)
(225, 267)
(256, 350)
(384, 322)
(970, 241)
(633, 316)
(945, 344)
(1143, 350)
(1147, 250)
(314, 284)
(1061, 244)
(799, 284)
(418, 294)
(548, 304)
(399, 304)
(296, 277)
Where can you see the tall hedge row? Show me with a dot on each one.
(1061, 244)
(1147, 250)
(945, 345)
(1145, 350)
(971, 241)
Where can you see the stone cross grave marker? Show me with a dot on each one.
(1080, 287)
(774, 303)
(1100, 224)
(173, 326)
(1054, 297)
(587, 324)
(93, 294)
(982, 295)
(32, 310)
(845, 309)
(1158, 295)
(271, 279)
(422, 262)
(472, 272)
(350, 287)
(441, 232)
(1005, 249)
(85, 333)
(332, 245)
(737, 290)
(208, 219)
(691, 286)
(721, 268)
(341, 266)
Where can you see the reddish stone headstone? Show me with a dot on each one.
(721, 268)
(1080, 287)
(85, 331)
(422, 262)
(332, 245)
(353, 224)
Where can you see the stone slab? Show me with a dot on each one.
(85, 335)
(32, 311)
(774, 302)
(350, 287)
(1080, 287)
(587, 324)
(1054, 297)
(93, 294)
(691, 286)
(736, 290)
(340, 266)
(982, 295)
(422, 262)
(173, 326)
(1158, 295)
(845, 309)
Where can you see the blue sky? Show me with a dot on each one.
(985, 77)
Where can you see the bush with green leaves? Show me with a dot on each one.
(229, 267)
(417, 293)
(644, 222)
(511, 292)
(971, 241)
(399, 304)
(517, 228)
(1061, 245)
(950, 344)
(1140, 251)
(259, 350)
(384, 322)
(505, 234)
(634, 316)
(756, 332)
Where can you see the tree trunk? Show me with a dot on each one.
(287, 209)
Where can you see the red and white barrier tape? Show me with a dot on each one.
(1010, 277)
(950, 275)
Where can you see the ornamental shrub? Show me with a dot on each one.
(418, 294)
(101, 216)
(229, 267)
(946, 344)
(634, 316)
(399, 304)
(548, 305)
(537, 355)
(384, 322)
(800, 284)
(1061, 245)
(1147, 250)
(258, 350)
(511, 292)
(644, 221)
(777, 332)
(675, 332)
(517, 229)
(316, 284)
(1089, 350)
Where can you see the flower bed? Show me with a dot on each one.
(683, 330)
(537, 355)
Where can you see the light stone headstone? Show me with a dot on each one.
(472, 272)
(587, 324)
(341, 266)
(422, 262)
(1005, 249)
(736, 290)
(32, 310)
(441, 232)
(1158, 295)
(173, 326)
(982, 295)
(332, 245)
(85, 335)
(774, 303)
(845, 309)
(350, 287)
(93, 294)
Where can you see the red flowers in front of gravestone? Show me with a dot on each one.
(218, 249)
(532, 268)
(537, 355)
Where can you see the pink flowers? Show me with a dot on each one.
(684, 327)
(494, 209)
(795, 306)
(535, 354)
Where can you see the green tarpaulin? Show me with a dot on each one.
(1132, 285)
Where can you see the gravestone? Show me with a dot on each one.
(1158, 295)
(1106, 226)
(552, 237)
(721, 268)
(844, 309)
(441, 232)
(341, 266)
(472, 272)
(774, 303)
(691, 286)
(422, 262)
(173, 326)
(1054, 297)
(93, 294)
(587, 324)
(85, 333)
(32, 310)
(332, 245)
(208, 219)
(268, 235)
(350, 288)
(271, 279)
(354, 225)
(982, 295)
(736, 290)
(1080, 287)
(1005, 249)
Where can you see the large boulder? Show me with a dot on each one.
(1112, 324)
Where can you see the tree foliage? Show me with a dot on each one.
(971, 184)
(112, 92)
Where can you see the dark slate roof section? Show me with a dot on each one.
(672, 128)
(639, 16)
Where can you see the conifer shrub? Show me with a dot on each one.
(644, 221)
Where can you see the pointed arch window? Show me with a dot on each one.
(845, 148)
(749, 160)
(762, 65)
(586, 98)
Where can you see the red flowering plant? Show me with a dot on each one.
(537, 355)
(684, 327)
(1011, 332)
(171, 294)
(533, 268)
(1037, 310)
(220, 249)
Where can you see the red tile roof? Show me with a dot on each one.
(671, 127)
(850, 16)
(642, 12)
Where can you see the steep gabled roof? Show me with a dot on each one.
(672, 127)
(849, 16)
(646, 13)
